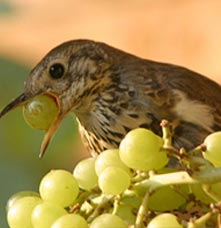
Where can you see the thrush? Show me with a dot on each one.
(111, 92)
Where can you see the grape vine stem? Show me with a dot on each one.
(142, 211)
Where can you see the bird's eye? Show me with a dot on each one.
(56, 71)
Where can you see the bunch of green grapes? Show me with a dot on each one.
(134, 185)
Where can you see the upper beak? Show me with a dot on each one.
(21, 100)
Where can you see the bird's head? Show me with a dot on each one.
(71, 73)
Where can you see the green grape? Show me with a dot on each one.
(70, 221)
(109, 158)
(200, 194)
(85, 174)
(158, 162)
(133, 200)
(113, 180)
(125, 212)
(214, 190)
(18, 196)
(59, 187)
(165, 220)
(165, 199)
(139, 149)
(19, 213)
(108, 221)
(40, 112)
(45, 214)
(213, 148)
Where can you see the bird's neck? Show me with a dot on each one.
(94, 122)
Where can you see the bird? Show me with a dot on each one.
(112, 92)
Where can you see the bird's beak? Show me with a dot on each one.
(20, 101)
(49, 134)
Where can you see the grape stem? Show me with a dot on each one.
(81, 199)
(155, 181)
(200, 222)
(197, 150)
(105, 203)
(140, 176)
(142, 210)
(83, 196)
(116, 204)
(158, 180)
(208, 175)
(167, 140)
(167, 135)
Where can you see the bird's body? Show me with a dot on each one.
(141, 94)
(112, 92)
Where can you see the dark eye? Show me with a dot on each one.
(56, 70)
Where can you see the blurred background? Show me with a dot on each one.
(187, 33)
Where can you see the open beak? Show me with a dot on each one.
(20, 101)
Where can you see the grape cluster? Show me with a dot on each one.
(134, 185)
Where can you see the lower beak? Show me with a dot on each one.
(21, 100)
(49, 134)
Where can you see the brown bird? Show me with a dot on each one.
(111, 92)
